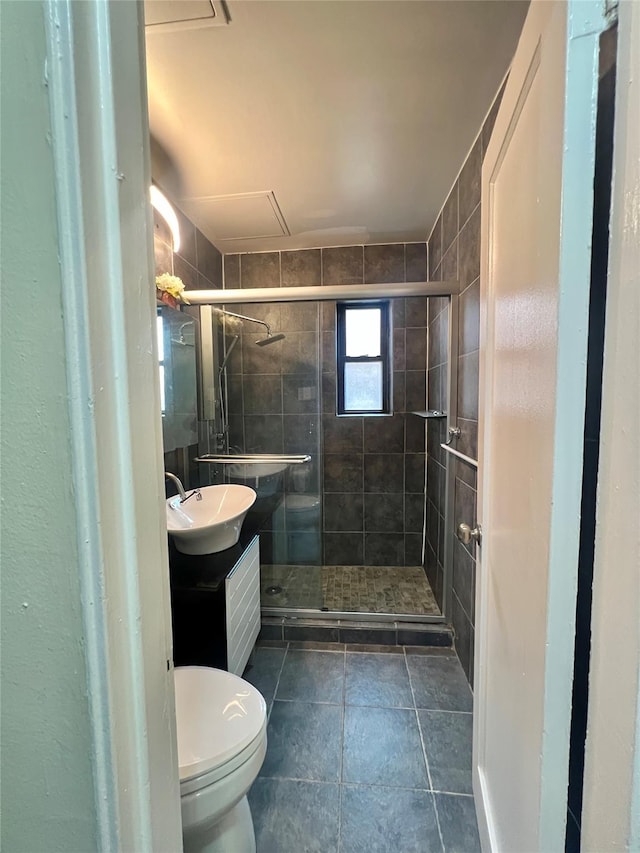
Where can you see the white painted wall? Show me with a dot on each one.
(47, 775)
(611, 809)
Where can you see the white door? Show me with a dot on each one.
(536, 228)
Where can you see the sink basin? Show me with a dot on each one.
(212, 524)
(263, 476)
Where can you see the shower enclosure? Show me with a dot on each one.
(342, 505)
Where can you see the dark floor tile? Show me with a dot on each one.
(264, 670)
(317, 645)
(458, 824)
(381, 820)
(291, 817)
(269, 633)
(312, 677)
(304, 741)
(382, 747)
(447, 740)
(439, 684)
(432, 651)
(377, 680)
(373, 648)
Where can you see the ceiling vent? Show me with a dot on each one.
(172, 15)
(242, 216)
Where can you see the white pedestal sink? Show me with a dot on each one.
(212, 524)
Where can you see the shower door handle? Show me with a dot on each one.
(467, 534)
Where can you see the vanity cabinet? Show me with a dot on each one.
(215, 601)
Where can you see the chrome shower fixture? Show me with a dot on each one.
(270, 339)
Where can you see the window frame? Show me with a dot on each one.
(384, 358)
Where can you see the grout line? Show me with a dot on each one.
(275, 689)
(424, 752)
(350, 784)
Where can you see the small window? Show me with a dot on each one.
(364, 371)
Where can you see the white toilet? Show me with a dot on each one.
(221, 723)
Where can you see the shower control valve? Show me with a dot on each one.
(467, 534)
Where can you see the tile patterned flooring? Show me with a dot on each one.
(369, 750)
(358, 589)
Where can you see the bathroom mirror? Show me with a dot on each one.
(177, 334)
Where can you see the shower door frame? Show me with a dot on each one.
(356, 293)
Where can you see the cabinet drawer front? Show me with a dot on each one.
(243, 609)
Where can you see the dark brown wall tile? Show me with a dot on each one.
(301, 433)
(414, 472)
(415, 311)
(383, 472)
(384, 549)
(300, 394)
(186, 272)
(384, 434)
(343, 472)
(416, 390)
(450, 262)
(384, 513)
(435, 248)
(416, 261)
(263, 433)
(450, 219)
(342, 435)
(231, 271)
(343, 549)
(343, 265)
(468, 386)
(469, 329)
(413, 513)
(298, 317)
(343, 512)
(384, 263)
(209, 260)
(163, 256)
(469, 251)
(416, 349)
(301, 268)
(469, 182)
(187, 238)
(260, 270)
(262, 395)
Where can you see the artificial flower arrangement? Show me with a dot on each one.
(170, 290)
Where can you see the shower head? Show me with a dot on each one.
(270, 339)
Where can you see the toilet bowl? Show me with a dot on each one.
(221, 723)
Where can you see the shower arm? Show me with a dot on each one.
(250, 319)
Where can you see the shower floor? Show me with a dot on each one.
(358, 589)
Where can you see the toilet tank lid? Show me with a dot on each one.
(217, 715)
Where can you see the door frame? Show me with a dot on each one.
(585, 22)
(95, 75)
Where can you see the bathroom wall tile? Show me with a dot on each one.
(343, 512)
(384, 819)
(412, 548)
(467, 442)
(343, 472)
(382, 747)
(435, 304)
(343, 265)
(384, 549)
(439, 684)
(319, 638)
(161, 229)
(413, 513)
(469, 250)
(209, 259)
(398, 312)
(416, 311)
(290, 816)
(261, 269)
(231, 272)
(436, 435)
(344, 549)
(163, 256)
(469, 330)
(367, 636)
(458, 824)
(465, 506)
(467, 473)
(435, 476)
(384, 263)
(468, 385)
(383, 472)
(298, 317)
(416, 390)
(416, 349)
(398, 351)
(186, 272)
(328, 316)
(433, 641)
(447, 741)
(469, 182)
(450, 220)
(435, 248)
(262, 395)
(187, 239)
(374, 680)
(416, 261)
(399, 392)
(449, 264)
(342, 435)
(301, 268)
(270, 632)
(304, 739)
(301, 433)
(384, 513)
(463, 637)
(263, 433)
(257, 359)
(299, 352)
(300, 394)
(414, 472)
(384, 434)
(414, 434)
(464, 569)
(311, 676)
(328, 351)
(490, 120)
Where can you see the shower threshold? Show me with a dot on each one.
(353, 617)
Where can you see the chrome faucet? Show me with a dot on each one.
(183, 495)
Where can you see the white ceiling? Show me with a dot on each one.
(345, 121)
